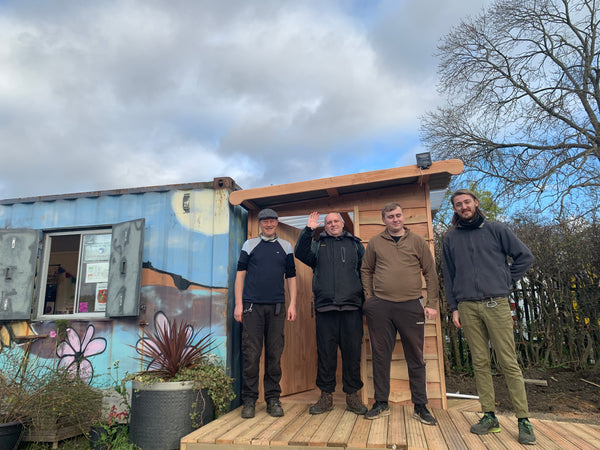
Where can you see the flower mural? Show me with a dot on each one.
(74, 352)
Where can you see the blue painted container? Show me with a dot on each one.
(108, 261)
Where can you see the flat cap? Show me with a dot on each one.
(267, 214)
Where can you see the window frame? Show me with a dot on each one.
(46, 251)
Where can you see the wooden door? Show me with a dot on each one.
(299, 360)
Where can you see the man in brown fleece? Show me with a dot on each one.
(391, 276)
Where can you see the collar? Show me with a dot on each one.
(387, 234)
(271, 239)
(477, 222)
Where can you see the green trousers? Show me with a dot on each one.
(486, 322)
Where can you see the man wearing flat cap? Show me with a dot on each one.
(260, 307)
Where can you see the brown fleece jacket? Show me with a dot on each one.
(392, 270)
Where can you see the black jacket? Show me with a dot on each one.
(336, 265)
(476, 264)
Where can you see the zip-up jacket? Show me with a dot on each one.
(392, 270)
(476, 265)
(336, 265)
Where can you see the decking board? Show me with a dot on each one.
(414, 430)
(327, 427)
(269, 433)
(298, 429)
(397, 428)
(378, 433)
(452, 436)
(462, 426)
(542, 427)
(283, 438)
(360, 434)
(342, 433)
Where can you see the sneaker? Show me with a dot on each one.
(354, 403)
(380, 409)
(274, 407)
(422, 413)
(248, 410)
(324, 404)
(487, 424)
(526, 435)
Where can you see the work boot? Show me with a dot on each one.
(487, 424)
(248, 410)
(355, 404)
(324, 404)
(526, 435)
(274, 408)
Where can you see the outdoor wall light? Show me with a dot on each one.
(423, 160)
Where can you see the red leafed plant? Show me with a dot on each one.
(172, 348)
(175, 352)
(115, 417)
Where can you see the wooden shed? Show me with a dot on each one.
(358, 198)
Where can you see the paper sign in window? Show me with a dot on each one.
(96, 272)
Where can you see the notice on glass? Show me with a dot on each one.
(101, 294)
(96, 272)
(96, 247)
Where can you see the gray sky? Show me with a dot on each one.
(117, 94)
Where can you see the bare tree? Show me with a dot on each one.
(522, 82)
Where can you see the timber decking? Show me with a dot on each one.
(339, 428)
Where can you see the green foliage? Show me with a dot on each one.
(113, 437)
(487, 203)
(212, 376)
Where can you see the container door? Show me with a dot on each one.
(125, 271)
(18, 259)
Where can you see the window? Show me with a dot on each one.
(77, 272)
(81, 273)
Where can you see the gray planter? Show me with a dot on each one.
(161, 413)
(10, 435)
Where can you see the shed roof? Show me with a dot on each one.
(438, 176)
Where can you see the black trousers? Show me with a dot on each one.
(385, 319)
(343, 329)
(262, 323)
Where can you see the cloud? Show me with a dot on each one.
(116, 94)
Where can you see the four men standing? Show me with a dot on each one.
(477, 278)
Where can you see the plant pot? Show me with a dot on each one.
(163, 413)
(10, 435)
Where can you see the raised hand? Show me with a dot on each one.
(313, 220)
